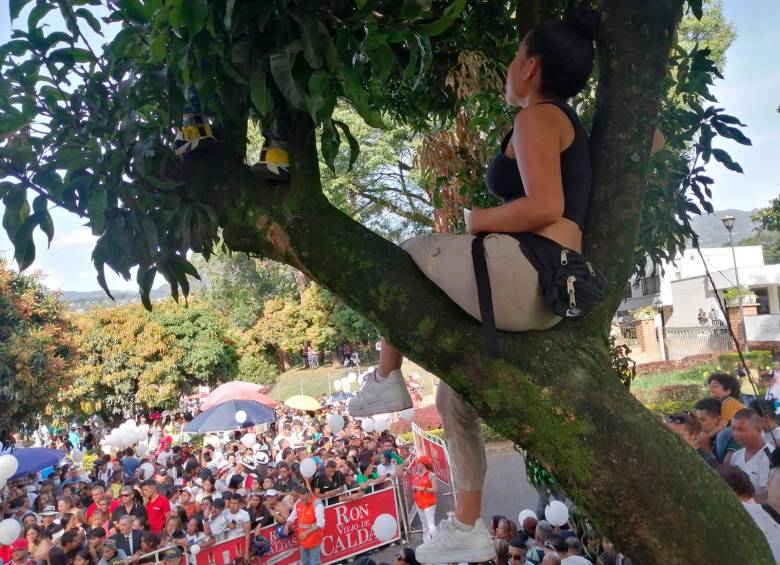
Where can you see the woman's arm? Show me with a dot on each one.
(537, 145)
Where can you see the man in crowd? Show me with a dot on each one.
(48, 521)
(573, 554)
(517, 552)
(157, 506)
(715, 436)
(755, 456)
(216, 525)
(19, 552)
(238, 521)
(308, 516)
(127, 505)
(98, 492)
(127, 539)
(686, 426)
(285, 482)
(329, 483)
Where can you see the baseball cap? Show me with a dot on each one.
(271, 492)
(172, 554)
(49, 511)
(19, 544)
(109, 543)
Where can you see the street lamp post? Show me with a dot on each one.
(728, 221)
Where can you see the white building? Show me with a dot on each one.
(682, 288)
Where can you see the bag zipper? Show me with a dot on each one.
(570, 289)
(564, 259)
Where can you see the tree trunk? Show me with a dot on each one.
(554, 393)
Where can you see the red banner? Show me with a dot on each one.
(408, 486)
(436, 449)
(348, 531)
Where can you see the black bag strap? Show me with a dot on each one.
(485, 296)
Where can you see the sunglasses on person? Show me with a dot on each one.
(516, 557)
(400, 556)
(124, 494)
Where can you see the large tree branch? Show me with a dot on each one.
(554, 392)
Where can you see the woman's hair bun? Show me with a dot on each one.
(587, 20)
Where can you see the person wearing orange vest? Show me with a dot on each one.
(425, 488)
(309, 519)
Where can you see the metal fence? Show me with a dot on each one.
(682, 342)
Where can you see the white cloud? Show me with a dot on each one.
(79, 237)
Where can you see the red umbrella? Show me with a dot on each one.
(237, 390)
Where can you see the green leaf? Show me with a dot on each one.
(360, 99)
(232, 72)
(190, 15)
(71, 55)
(726, 119)
(136, 11)
(725, 159)
(448, 17)
(354, 148)
(259, 91)
(145, 279)
(24, 245)
(322, 99)
(17, 210)
(96, 209)
(11, 121)
(158, 50)
(329, 142)
(696, 8)
(37, 14)
(91, 20)
(731, 133)
(41, 212)
(281, 62)
(15, 7)
(229, 7)
(313, 44)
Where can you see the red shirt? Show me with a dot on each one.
(113, 506)
(156, 511)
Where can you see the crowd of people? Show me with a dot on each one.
(172, 494)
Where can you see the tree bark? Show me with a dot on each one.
(554, 393)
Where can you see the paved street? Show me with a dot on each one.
(507, 492)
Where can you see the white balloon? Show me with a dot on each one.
(77, 455)
(556, 513)
(147, 470)
(335, 423)
(407, 414)
(346, 384)
(337, 385)
(368, 425)
(10, 530)
(195, 549)
(352, 377)
(380, 425)
(248, 440)
(2, 483)
(141, 449)
(240, 416)
(385, 527)
(308, 467)
(8, 466)
(527, 513)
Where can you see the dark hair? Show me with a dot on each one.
(566, 51)
(573, 544)
(86, 555)
(750, 415)
(519, 541)
(726, 381)
(409, 556)
(557, 541)
(709, 405)
(739, 482)
(68, 537)
(149, 538)
(763, 407)
(57, 556)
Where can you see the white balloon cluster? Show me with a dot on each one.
(10, 529)
(248, 440)
(385, 527)
(335, 423)
(125, 435)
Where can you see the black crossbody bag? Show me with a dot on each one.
(571, 286)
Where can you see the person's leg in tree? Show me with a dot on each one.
(195, 131)
(383, 389)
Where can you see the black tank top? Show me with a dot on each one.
(503, 177)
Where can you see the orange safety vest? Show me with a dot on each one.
(424, 500)
(307, 519)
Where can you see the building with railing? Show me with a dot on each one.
(681, 289)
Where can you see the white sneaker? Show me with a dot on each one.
(453, 544)
(380, 396)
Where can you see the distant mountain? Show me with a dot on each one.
(82, 301)
(712, 232)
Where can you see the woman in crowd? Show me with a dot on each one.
(172, 533)
(37, 544)
(425, 490)
(83, 557)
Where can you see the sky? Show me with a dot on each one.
(749, 91)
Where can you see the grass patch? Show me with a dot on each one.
(313, 382)
(694, 375)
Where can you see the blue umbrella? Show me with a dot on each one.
(33, 459)
(222, 417)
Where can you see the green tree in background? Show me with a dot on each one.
(37, 349)
(132, 360)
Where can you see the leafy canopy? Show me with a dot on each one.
(92, 131)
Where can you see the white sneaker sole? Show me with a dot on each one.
(465, 555)
(381, 407)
